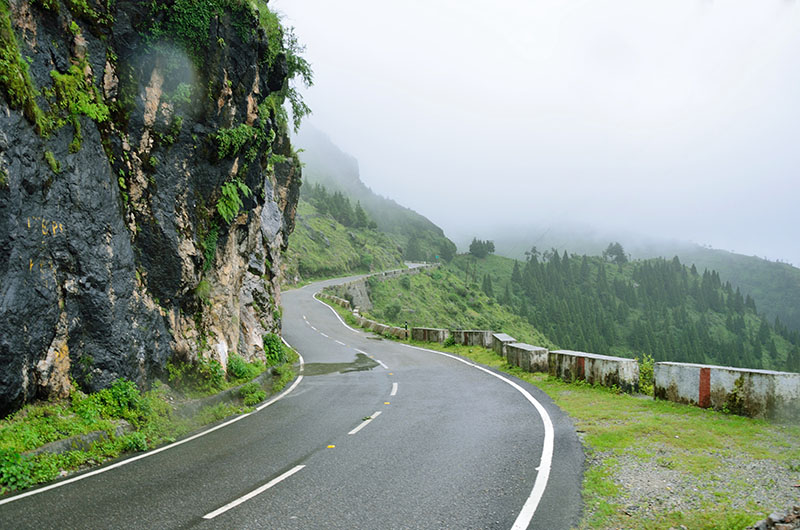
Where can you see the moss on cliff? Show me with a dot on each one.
(15, 78)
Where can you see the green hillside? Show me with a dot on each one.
(441, 298)
(322, 247)
(327, 165)
(656, 307)
(774, 286)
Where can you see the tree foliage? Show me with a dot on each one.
(658, 307)
(481, 249)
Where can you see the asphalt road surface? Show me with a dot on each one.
(375, 435)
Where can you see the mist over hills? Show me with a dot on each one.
(329, 166)
(775, 286)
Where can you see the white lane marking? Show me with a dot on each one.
(361, 351)
(253, 493)
(366, 422)
(545, 463)
(304, 318)
(312, 327)
(340, 342)
(381, 363)
(335, 313)
(163, 448)
(394, 389)
(324, 335)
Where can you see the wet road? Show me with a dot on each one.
(375, 434)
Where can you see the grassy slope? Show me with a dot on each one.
(320, 247)
(500, 268)
(441, 298)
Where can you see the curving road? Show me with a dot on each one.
(375, 434)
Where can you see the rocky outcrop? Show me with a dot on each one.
(147, 189)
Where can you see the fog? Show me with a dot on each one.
(670, 118)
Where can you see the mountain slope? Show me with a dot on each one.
(329, 166)
(656, 307)
(774, 286)
(322, 247)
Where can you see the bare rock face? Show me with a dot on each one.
(114, 255)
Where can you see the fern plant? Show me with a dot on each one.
(230, 202)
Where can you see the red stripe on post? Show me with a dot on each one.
(581, 368)
(704, 398)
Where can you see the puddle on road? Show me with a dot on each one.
(362, 363)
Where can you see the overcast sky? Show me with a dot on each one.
(674, 118)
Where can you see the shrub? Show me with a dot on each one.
(273, 349)
(252, 393)
(135, 441)
(450, 341)
(646, 374)
(204, 376)
(241, 370)
(392, 311)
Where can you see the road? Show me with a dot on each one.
(375, 434)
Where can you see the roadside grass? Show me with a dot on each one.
(439, 298)
(696, 445)
(152, 417)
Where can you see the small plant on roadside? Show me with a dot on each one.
(450, 341)
(241, 370)
(15, 471)
(205, 376)
(273, 349)
(252, 394)
(646, 374)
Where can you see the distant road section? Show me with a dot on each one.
(377, 434)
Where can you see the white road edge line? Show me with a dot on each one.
(160, 449)
(381, 363)
(361, 351)
(253, 493)
(545, 463)
(394, 389)
(335, 313)
(366, 422)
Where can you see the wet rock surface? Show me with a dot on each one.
(788, 520)
(112, 249)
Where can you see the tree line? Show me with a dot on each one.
(659, 307)
(338, 206)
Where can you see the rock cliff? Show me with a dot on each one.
(147, 187)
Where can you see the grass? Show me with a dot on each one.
(439, 298)
(151, 414)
